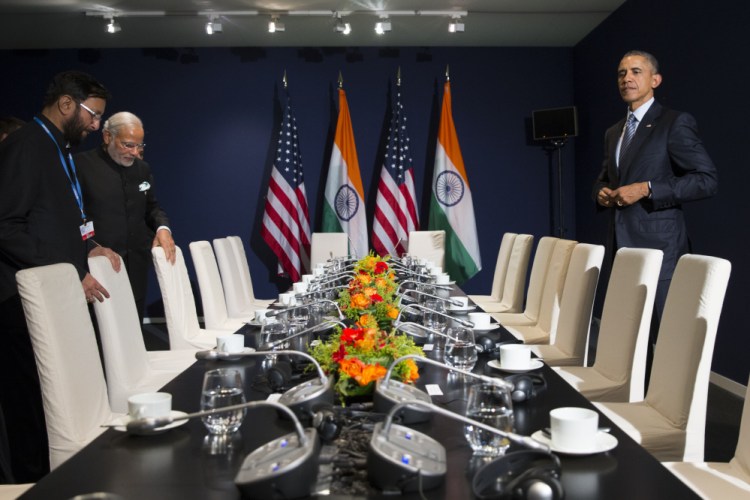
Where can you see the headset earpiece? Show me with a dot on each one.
(526, 474)
(327, 422)
(526, 386)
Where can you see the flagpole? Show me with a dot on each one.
(341, 80)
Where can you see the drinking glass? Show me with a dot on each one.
(432, 318)
(271, 332)
(460, 348)
(299, 317)
(222, 387)
(490, 405)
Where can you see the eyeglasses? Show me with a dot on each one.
(133, 145)
(94, 115)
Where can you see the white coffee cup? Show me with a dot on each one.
(150, 405)
(230, 343)
(574, 429)
(307, 278)
(463, 300)
(299, 287)
(260, 315)
(480, 319)
(436, 270)
(286, 299)
(515, 356)
(442, 278)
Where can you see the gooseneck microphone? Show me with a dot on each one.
(390, 392)
(402, 459)
(462, 322)
(453, 302)
(415, 282)
(273, 314)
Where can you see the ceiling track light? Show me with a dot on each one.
(275, 25)
(112, 26)
(383, 26)
(341, 26)
(213, 26)
(456, 26)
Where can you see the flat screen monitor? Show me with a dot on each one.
(557, 123)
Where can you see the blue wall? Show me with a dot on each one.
(210, 117)
(700, 46)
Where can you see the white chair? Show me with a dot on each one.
(539, 267)
(428, 245)
(74, 393)
(570, 346)
(129, 367)
(619, 370)
(515, 278)
(501, 269)
(670, 423)
(215, 313)
(718, 479)
(545, 328)
(13, 491)
(179, 305)
(324, 246)
(231, 257)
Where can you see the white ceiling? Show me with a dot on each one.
(27, 24)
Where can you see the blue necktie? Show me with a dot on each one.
(627, 137)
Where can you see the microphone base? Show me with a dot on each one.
(302, 399)
(282, 468)
(405, 460)
(394, 392)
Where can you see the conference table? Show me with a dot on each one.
(184, 463)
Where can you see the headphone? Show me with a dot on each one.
(280, 374)
(526, 386)
(525, 474)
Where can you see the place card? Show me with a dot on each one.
(433, 390)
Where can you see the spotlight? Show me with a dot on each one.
(275, 25)
(383, 26)
(456, 26)
(112, 26)
(213, 26)
(341, 26)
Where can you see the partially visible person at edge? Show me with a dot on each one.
(41, 222)
(9, 124)
(118, 190)
(644, 184)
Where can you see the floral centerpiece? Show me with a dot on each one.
(360, 355)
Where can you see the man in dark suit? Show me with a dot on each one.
(118, 190)
(42, 221)
(653, 163)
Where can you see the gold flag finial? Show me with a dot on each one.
(447, 72)
(398, 77)
(341, 80)
(285, 80)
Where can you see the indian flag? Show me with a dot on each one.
(451, 205)
(344, 207)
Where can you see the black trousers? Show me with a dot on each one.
(21, 396)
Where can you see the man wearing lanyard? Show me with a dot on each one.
(42, 221)
(654, 162)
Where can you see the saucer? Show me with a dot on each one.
(121, 423)
(604, 442)
(461, 309)
(535, 364)
(493, 326)
(233, 356)
(255, 322)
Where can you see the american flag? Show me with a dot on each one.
(396, 202)
(286, 221)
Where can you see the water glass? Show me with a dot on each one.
(223, 387)
(299, 317)
(490, 405)
(271, 332)
(432, 318)
(460, 348)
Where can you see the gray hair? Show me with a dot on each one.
(649, 57)
(120, 120)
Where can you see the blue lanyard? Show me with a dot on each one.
(75, 186)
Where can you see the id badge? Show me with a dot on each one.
(87, 230)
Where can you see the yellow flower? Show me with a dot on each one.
(392, 312)
(369, 291)
(367, 343)
(365, 279)
(367, 321)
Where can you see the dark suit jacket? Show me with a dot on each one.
(39, 217)
(667, 152)
(121, 202)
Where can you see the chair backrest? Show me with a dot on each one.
(74, 393)
(235, 294)
(742, 452)
(538, 274)
(554, 281)
(177, 294)
(209, 282)
(515, 277)
(240, 256)
(501, 266)
(323, 246)
(125, 357)
(577, 302)
(678, 387)
(626, 319)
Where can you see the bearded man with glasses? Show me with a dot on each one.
(118, 189)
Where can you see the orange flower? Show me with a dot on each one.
(413, 370)
(381, 283)
(392, 312)
(360, 301)
(352, 367)
(367, 321)
(369, 291)
(364, 278)
(371, 373)
(367, 342)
